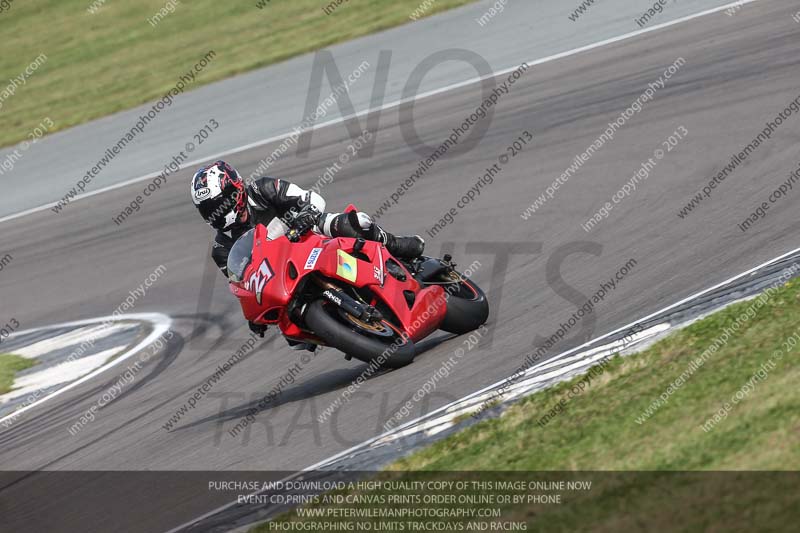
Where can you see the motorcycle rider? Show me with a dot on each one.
(232, 207)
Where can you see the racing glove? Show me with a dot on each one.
(307, 218)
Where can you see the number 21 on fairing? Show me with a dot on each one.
(259, 279)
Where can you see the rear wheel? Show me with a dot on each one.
(379, 342)
(467, 306)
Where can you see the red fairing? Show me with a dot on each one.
(428, 312)
(279, 267)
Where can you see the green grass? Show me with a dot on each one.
(762, 432)
(9, 366)
(598, 432)
(113, 60)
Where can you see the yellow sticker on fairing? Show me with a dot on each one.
(346, 266)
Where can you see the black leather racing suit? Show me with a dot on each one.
(271, 200)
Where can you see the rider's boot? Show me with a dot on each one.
(405, 247)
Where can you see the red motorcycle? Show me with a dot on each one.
(350, 294)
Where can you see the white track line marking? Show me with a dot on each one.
(524, 387)
(67, 340)
(390, 105)
(160, 322)
(59, 373)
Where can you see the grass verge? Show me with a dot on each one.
(114, 59)
(750, 378)
(9, 366)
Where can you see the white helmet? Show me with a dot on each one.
(219, 194)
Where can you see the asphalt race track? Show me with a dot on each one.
(738, 72)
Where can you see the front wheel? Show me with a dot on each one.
(467, 306)
(380, 342)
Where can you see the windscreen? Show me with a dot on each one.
(240, 256)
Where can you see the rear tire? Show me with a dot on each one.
(346, 338)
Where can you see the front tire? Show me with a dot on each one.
(326, 322)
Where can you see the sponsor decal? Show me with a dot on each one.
(311, 262)
(258, 280)
(202, 194)
(332, 297)
(377, 273)
(346, 266)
